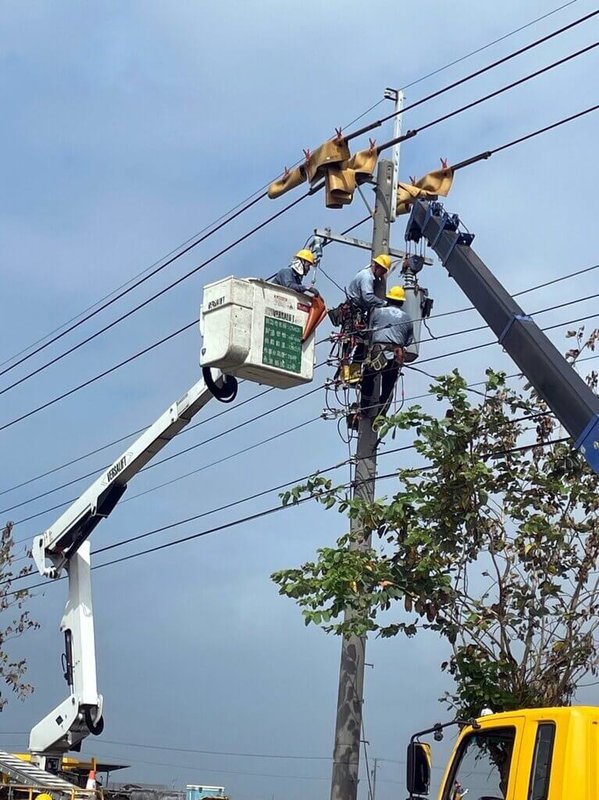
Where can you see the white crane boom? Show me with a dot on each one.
(63, 546)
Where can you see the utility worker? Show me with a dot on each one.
(361, 300)
(391, 331)
(292, 276)
(361, 289)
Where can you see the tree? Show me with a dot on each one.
(12, 605)
(493, 543)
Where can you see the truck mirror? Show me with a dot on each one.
(418, 778)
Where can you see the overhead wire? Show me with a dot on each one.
(486, 46)
(490, 95)
(151, 347)
(161, 461)
(163, 291)
(410, 134)
(286, 404)
(472, 75)
(272, 510)
(195, 240)
(227, 410)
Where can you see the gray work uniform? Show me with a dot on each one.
(361, 291)
(391, 327)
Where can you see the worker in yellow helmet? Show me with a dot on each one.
(391, 330)
(292, 276)
(361, 292)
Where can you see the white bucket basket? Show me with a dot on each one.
(252, 329)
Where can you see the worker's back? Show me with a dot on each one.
(391, 325)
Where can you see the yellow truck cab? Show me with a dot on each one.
(534, 754)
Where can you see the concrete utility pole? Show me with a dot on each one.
(346, 753)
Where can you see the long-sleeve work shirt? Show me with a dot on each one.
(361, 290)
(289, 278)
(391, 326)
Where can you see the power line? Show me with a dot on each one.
(523, 291)
(277, 508)
(489, 96)
(410, 134)
(128, 436)
(277, 408)
(134, 278)
(173, 455)
(179, 251)
(316, 188)
(216, 752)
(123, 293)
(485, 47)
(472, 75)
(190, 427)
(162, 291)
(488, 344)
(103, 374)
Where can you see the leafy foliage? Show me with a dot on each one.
(493, 543)
(12, 606)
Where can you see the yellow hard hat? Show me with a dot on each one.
(396, 293)
(383, 260)
(306, 255)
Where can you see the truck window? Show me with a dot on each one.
(481, 769)
(541, 765)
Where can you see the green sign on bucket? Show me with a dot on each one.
(282, 346)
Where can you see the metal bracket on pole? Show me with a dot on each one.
(328, 236)
(398, 98)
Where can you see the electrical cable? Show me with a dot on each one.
(107, 372)
(522, 291)
(103, 374)
(162, 291)
(472, 75)
(277, 408)
(488, 344)
(162, 460)
(266, 391)
(275, 509)
(187, 428)
(180, 251)
(485, 47)
(410, 134)
(508, 87)
(131, 280)
(351, 460)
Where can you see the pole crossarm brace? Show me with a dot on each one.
(328, 235)
(572, 401)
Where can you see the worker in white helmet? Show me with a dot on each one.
(292, 276)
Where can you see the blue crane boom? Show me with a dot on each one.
(571, 400)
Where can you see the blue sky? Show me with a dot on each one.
(129, 127)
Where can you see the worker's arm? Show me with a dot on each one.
(366, 289)
(288, 278)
